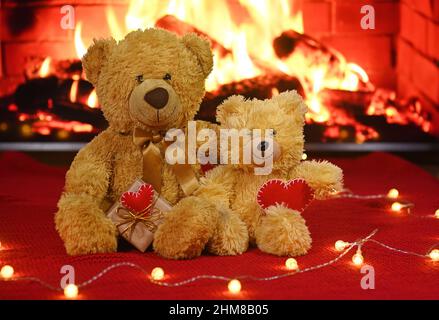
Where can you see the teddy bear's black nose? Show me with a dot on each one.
(157, 98)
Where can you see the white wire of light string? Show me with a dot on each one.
(346, 193)
(407, 205)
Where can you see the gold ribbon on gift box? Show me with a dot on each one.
(149, 143)
(149, 217)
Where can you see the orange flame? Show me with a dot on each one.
(79, 44)
(115, 29)
(74, 90)
(92, 100)
(45, 68)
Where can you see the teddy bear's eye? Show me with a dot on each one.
(274, 132)
(167, 77)
(139, 78)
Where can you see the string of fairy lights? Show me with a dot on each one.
(157, 274)
(392, 194)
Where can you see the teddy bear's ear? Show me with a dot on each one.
(292, 103)
(201, 48)
(231, 110)
(97, 54)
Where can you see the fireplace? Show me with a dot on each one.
(365, 88)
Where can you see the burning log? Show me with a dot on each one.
(319, 56)
(179, 27)
(261, 87)
(285, 44)
(77, 112)
(68, 68)
(352, 102)
(35, 93)
(64, 69)
(52, 95)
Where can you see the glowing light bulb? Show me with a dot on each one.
(291, 264)
(434, 254)
(436, 214)
(393, 193)
(396, 206)
(304, 156)
(234, 286)
(157, 273)
(358, 259)
(340, 245)
(71, 291)
(7, 272)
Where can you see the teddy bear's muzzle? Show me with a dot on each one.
(154, 103)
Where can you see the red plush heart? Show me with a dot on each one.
(294, 194)
(138, 201)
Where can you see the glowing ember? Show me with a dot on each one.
(383, 103)
(13, 107)
(80, 127)
(46, 127)
(43, 131)
(44, 123)
(44, 116)
(23, 117)
(3, 126)
(45, 68)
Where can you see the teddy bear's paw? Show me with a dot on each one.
(186, 229)
(324, 177)
(83, 226)
(283, 232)
(230, 236)
(100, 239)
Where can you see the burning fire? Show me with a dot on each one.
(242, 34)
(244, 42)
(248, 46)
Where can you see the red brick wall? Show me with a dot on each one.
(44, 36)
(418, 50)
(337, 23)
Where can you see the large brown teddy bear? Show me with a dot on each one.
(277, 230)
(151, 80)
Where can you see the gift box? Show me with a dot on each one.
(138, 213)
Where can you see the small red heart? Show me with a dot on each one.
(138, 201)
(294, 194)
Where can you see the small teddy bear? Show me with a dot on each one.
(276, 230)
